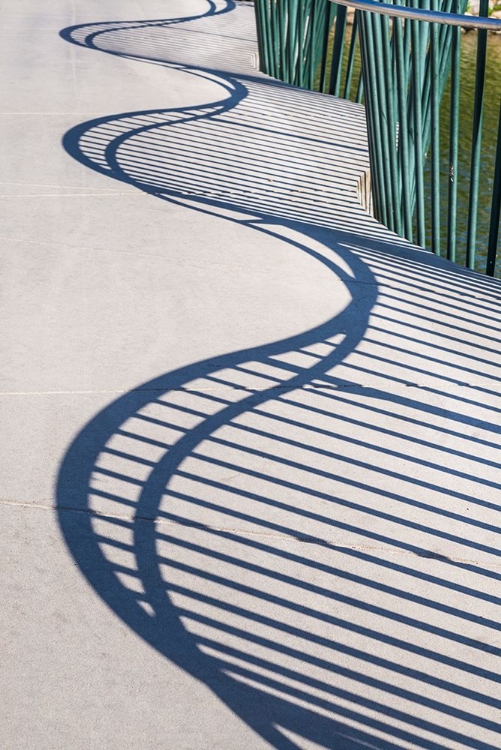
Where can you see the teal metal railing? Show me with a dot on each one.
(435, 173)
(310, 43)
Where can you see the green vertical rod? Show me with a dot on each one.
(275, 39)
(280, 5)
(312, 45)
(380, 175)
(351, 57)
(407, 41)
(495, 209)
(424, 30)
(454, 144)
(435, 135)
(374, 153)
(261, 30)
(384, 124)
(337, 51)
(309, 46)
(424, 37)
(301, 25)
(374, 105)
(284, 50)
(444, 61)
(391, 124)
(303, 43)
(360, 90)
(263, 21)
(328, 21)
(418, 130)
(403, 139)
(292, 45)
(446, 34)
(478, 111)
(409, 118)
(320, 16)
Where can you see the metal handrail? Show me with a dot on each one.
(423, 14)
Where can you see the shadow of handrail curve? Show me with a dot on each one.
(238, 513)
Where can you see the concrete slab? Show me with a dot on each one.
(250, 439)
(73, 674)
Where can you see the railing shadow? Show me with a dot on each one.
(310, 527)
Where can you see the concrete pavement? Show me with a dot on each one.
(250, 439)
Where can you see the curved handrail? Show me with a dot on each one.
(422, 14)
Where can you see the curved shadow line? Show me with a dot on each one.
(165, 631)
(67, 33)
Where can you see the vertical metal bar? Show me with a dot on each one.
(478, 111)
(454, 144)
(318, 35)
(416, 92)
(360, 90)
(495, 208)
(262, 10)
(282, 57)
(391, 124)
(292, 40)
(374, 111)
(272, 39)
(424, 38)
(311, 44)
(443, 45)
(286, 43)
(384, 121)
(435, 135)
(275, 37)
(403, 133)
(377, 187)
(329, 19)
(261, 30)
(351, 57)
(408, 122)
(304, 44)
(301, 26)
(337, 51)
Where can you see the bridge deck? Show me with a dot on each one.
(250, 443)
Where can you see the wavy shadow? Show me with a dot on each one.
(233, 512)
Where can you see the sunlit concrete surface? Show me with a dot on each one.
(250, 439)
